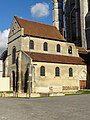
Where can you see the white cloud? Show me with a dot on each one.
(40, 10)
(3, 40)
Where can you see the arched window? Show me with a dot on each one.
(45, 46)
(42, 71)
(58, 48)
(31, 44)
(70, 50)
(57, 71)
(14, 55)
(13, 77)
(70, 72)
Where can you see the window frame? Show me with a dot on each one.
(31, 44)
(42, 71)
(70, 49)
(70, 72)
(57, 72)
(58, 48)
(45, 46)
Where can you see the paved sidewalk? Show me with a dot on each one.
(49, 108)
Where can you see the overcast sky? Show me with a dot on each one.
(35, 10)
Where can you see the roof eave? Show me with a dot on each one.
(63, 40)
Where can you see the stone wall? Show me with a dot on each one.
(1, 69)
(52, 45)
(51, 81)
(4, 84)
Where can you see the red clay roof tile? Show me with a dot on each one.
(39, 29)
(51, 58)
(80, 49)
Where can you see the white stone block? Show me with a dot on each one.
(42, 89)
(5, 84)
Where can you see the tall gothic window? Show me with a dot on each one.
(58, 48)
(31, 44)
(70, 50)
(42, 71)
(45, 46)
(57, 71)
(70, 72)
(14, 55)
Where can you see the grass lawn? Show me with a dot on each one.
(81, 92)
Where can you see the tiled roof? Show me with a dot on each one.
(39, 29)
(80, 49)
(51, 58)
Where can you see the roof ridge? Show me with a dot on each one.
(35, 22)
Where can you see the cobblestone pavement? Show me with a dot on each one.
(49, 108)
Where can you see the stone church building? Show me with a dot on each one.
(40, 60)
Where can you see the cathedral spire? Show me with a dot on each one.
(58, 14)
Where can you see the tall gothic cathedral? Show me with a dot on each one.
(69, 16)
